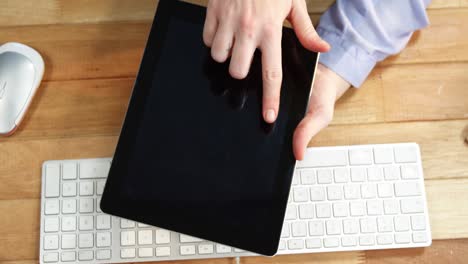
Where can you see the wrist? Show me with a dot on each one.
(333, 80)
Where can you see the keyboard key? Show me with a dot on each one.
(368, 225)
(334, 192)
(412, 206)
(418, 222)
(409, 172)
(402, 238)
(205, 249)
(68, 256)
(405, 154)
(163, 251)
(391, 173)
(127, 238)
(69, 171)
(358, 174)
(308, 177)
(145, 237)
(391, 207)
(68, 241)
(296, 178)
(124, 223)
(341, 175)
(285, 230)
(103, 222)
(69, 223)
(374, 207)
(384, 239)
(51, 224)
(360, 156)
(142, 225)
(281, 246)
(50, 257)
(348, 241)
(350, 226)
(299, 229)
(69, 189)
(86, 188)
(317, 193)
(94, 169)
(188, 239)
(187, 250)
(385, 224)
(375, 174)
(316, 228)
(403, 189)
(85, 255)
(324, 176)
(163, 236)
(352, 192)
(86, 240)
(301, 194)
(306, 211)
(295, 244)
(291, 212)
(383, 155)
(323, 210)
(51, 242)
(340, 209)
(98, 205)
(419, 237)
(331, 242)
(145, 252)
(357, 208)
(127, 253)
(333, 227)
(86, 222)
(100, 187)
(324, 158)
(103, 239)
(103, 254)
(69, 206)
(366, 240)
(313, 243)
(86, 205)
(368, 190)
(221, 249)
(402, 223)
(385, 190)
(52, 180)
(51, 207)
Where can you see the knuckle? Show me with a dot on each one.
(273, 75)
(271, 31)
(247, 24)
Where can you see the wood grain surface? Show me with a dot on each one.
(93, 49)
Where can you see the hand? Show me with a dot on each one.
(237, 27)
(328, 87)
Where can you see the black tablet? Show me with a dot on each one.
(194, 155)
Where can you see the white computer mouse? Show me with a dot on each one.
(21, 72)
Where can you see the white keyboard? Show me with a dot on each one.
(342, 198)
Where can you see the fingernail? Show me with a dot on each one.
(270, 116)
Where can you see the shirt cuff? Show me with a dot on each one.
(346, 58)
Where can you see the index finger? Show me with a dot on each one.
(272, 72)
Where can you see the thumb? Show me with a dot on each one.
(305, 31)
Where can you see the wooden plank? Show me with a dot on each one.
(77, 108)
(443, 41)
(446, 198)
(355, 257)
(443, 251)
(444, 154)
(425, 92)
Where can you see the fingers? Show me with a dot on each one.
(242, 54)
(222, 43)
(211, 25)
(272, 72)
(308, 128)
(304, 29)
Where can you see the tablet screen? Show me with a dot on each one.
(195, 155)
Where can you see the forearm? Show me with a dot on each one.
(363, 33)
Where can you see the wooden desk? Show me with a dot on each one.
(92, 51)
